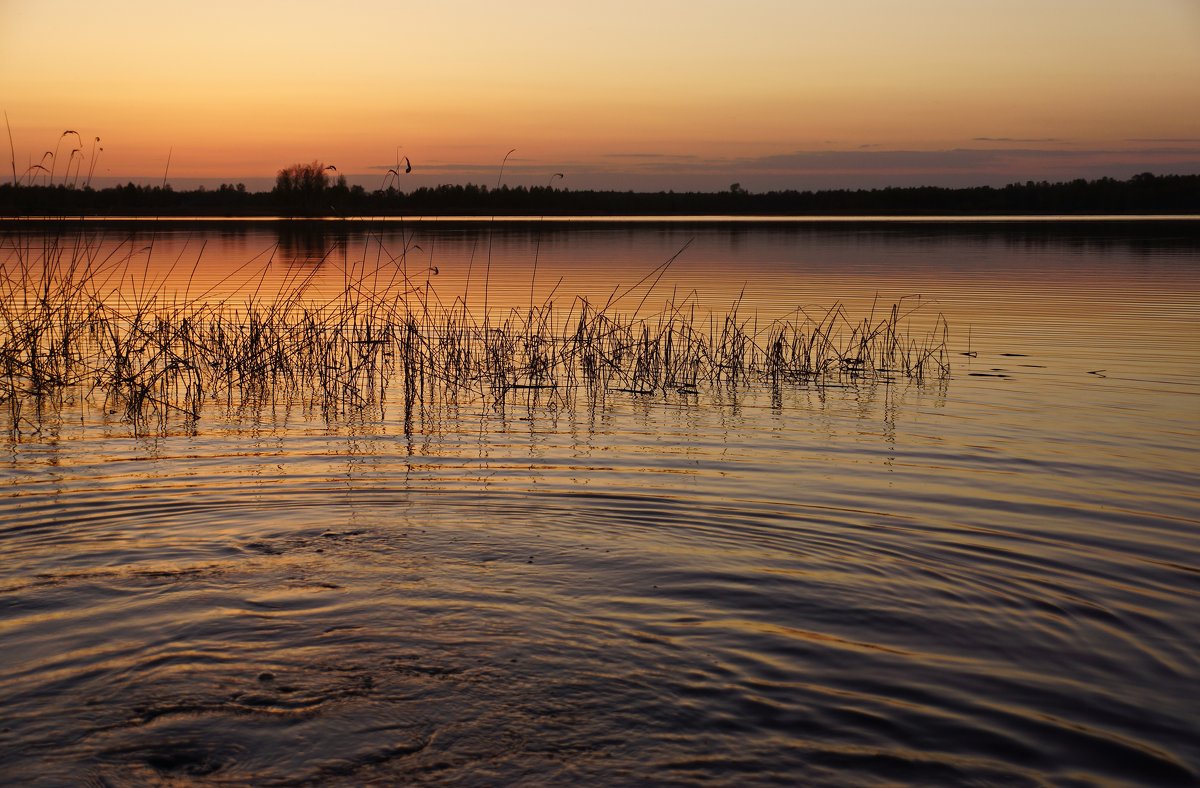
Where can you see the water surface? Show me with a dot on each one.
(986, 578)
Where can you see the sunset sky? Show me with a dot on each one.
(654, 94)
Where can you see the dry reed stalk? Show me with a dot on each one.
(76, 320)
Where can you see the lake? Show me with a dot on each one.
(984, 573)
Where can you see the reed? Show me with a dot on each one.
(93, 329)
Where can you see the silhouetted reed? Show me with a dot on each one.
(88, 329)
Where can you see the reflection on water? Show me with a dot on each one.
(308, 243)
(989, 578)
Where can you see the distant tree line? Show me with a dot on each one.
(310, 190)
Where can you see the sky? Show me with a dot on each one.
(646, 95)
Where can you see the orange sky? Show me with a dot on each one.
(649, 94)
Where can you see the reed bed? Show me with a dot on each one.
(86, 328)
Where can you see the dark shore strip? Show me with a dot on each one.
(1144, 194)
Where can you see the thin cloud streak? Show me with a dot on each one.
(1181, 140)
(942, 160)
(862, 168)
(872, 168)
(1020, 139)
(661, 156)
(823, 169)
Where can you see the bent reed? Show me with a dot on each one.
(83, 326)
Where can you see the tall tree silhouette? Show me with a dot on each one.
(301, 189)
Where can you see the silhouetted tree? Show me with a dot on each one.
(300, 189)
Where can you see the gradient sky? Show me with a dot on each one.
(653, 94)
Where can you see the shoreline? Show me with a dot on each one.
(584, 219)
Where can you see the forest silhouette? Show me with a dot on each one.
(310, 190)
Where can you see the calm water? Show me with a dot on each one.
(992, 578)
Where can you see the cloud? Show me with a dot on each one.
(849, 168)
(1182, 140)
(657, 156)
(871, 160)
(1020, 139)
(960, 159)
